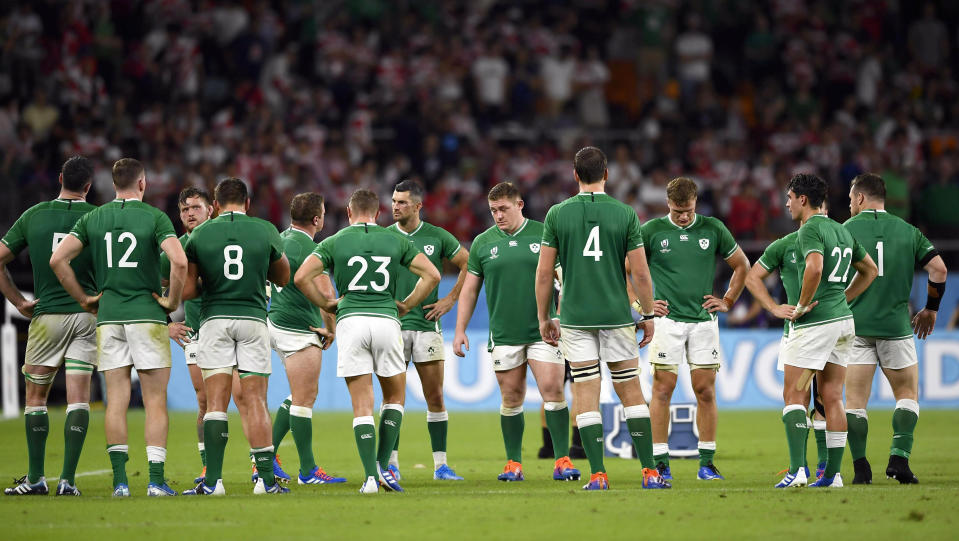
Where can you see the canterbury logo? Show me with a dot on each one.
(76, 429)
(800, 425)
(39, 429)
(366, 436)
(225, 434)
(636, 434)
(389, 422)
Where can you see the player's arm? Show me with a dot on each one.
(444, 305)
(866, 272)
(925, 319)
(810, 283)
(305, 281)
(279, 272)
(178, 269)
(548, 329)
(464, 311)
(429, 279)
(643, 286)
(757, 287)
(69, 249)
(9, 289)
(328, 331)
(660, 307)
(740, 265)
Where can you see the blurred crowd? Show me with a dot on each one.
(461, 94)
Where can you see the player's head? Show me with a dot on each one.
(195, 207)
(681, 200)
(866, 189)
(805, 194)
(364, 206)
(407, 200)
(307, 210)
(231, 192)
(129, 175)
(589, 166)
(506, 206)
(77, 174)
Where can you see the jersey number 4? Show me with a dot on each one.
(124, 261)
(592, 244)
(381, 269)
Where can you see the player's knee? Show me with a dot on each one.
(705, 392)
(38, 375)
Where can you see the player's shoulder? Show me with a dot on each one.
(710, 222)
(657, 224)
(265, 224)
(490, 235)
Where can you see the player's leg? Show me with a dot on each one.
(409, 343)
(117, 381)
(832, 386)
(254, 364)
(625, 377)
(364, 431)
(817, 421)
(391, 415)
(303, 372)
(77, 422)
(902, 371)
(510, 369)
(153, 385)
(37, 380)
(704, 387)
(549, 369)
(666, 352)
(794, 421)
(431, 371)
(354, 335)
(196, 378)
(389, 365)
(582, 349)
(859, 377)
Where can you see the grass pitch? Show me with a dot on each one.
(745, 506)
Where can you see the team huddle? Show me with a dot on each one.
(106, 278)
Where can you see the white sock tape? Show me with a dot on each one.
(861, 413)
(793, 407)
(301, 411)
(395, 407)
(636, 412)
(437, 416)
(555, 406)
(366, 420)
(510, 412)
(215, 416)
(707, 445)
(588, 418)
(660, 448)
(78, 406)
(156, 454)
(908, 404)
(834, 440)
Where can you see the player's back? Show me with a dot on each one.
(233, 253)
(289, 308)
(41, 229)
(838, 248)
(365, 261)
(781, 254)
(124, 239)
(592, 232)
(896, 247)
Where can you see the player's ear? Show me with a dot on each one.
(519, 204)
(246, 205)
(86, 187)
(60, 179)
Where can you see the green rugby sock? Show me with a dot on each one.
(74, 433)
(437, 423)
(820, 431)
(512, 422)
(216, 432)
(557, 422)
(661, 454)
(301, 426)
(263, 458)
(641, 431)
(858, 423)
(797, 432)
(156, 457)
(365, 433)
(835, 446)
(118, 461)
(281, 422)
(707, 449)
(591, 429)
(391, 419)
(904, 420)
(37, 424)
(202, 448)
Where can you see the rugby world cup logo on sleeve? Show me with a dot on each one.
(534, 247)
(704, 243)
(428, 248)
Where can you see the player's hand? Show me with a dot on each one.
(549, 330)
(165, 302)
(439, 308)
(796, 313)
(715, 304)
(660, 308)
(460, 340)
(647, 327)
(179, 333)
(402, 309)
(326, 336)
(91, 303)
(923, 322)
(26, 308)
(782, 311)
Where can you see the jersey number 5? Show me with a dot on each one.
(592, 244)
(381, 269)
(123, 263)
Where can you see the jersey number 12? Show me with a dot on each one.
(124, 261)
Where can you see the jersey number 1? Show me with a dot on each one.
(592, 244)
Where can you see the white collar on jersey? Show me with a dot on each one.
(294, 228)
(591, 193)
(411, 233)
(514, 233)
(670, 218)
(233, 212)
(362, 223)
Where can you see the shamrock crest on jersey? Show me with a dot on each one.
(704, 243)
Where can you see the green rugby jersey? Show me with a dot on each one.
(437, 244)
(507, 265)
(882, 311)
(592, 232)
(233, 253)
(290, 310)
(366, 261)
(682, 262)
(839, 250)
(781, 255)
(191, 308)
(40, 229)
(124, 239)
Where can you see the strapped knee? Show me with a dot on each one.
(584, 373)
(626, 374)
(208, 372)
(38, 379)
(77, 368)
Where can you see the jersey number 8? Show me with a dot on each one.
(233, 262)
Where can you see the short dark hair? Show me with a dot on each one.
(192, 191)
(590, 165)
(231, 191)
(364, 201)
(810, 185)
(126, 172)
(411, 186)
(77, 172)
(305, 206)
(871, 185)
(504, 190)
(681, 190)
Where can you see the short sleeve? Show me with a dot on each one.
(549, 229)
(190, 247)
(80, 229)
(450, 245)
(772, 257)
(922, 247)
(473, 264)
(645, 230)
(727, 244)
(276, 243)
(634, 232)
(409, 252)
(163, 229)
(808, 241)
(324, 251)
(164, 265)
(858, 252)
(16, 237)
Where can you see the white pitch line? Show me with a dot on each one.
(86, 474)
